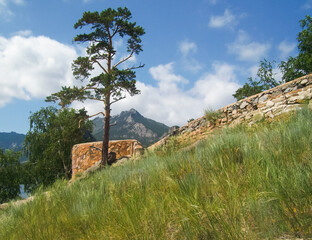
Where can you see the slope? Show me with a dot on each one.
(240, 183)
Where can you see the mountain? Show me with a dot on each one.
(131, 125)
(11, 140)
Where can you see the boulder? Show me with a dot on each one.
(87, 155)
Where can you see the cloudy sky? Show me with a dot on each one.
(196, 53)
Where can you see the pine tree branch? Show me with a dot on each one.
(135, 67)
(125, 59)
(100, 65)
(95, 99)
(90, 117)
(117, 100)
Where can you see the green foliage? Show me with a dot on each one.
(9, 175)
(304, 59)
(111, 84)
(291, 69)
(212, 115)
(265, 82)
(266, 75)
(243, 183)
(302, 64)
(104, 27)
(49, 142)
(249, 89)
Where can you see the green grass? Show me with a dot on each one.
(212, 115)
(241, 183)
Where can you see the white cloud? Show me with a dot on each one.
(18, 2)
(216, 89)
(167, 102)
(253, 70)
(5, 12)
(286, 48)
(225, 20)
(186, 48)
(23, 33)
(307, 5)
(213, 2)
(278, 75)
(167, 80)
(33, 67)
(248, 50)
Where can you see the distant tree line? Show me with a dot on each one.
(291, 69)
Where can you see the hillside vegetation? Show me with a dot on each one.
(240, 183)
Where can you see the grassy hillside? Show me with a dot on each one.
(241, 183)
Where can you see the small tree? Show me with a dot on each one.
(107, 87)
(249, 89)
(265, 82)
(291, 69)
(49, 142)
(301, 65)
(9, 175)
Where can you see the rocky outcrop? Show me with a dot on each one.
(86, 155)
(131, 125)
(265, 105)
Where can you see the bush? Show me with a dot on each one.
(213, 115)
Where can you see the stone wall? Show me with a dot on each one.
(86, 155)
(268, 104)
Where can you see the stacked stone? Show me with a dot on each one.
(268, 104)
(86, 155)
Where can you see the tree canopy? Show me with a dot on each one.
(266, 81)
(110, 85)
(9, 175)
(48, 144)
(301, 65)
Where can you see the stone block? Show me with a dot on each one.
(304, 81)
(270, 104)
(85, 155)
(263, 98)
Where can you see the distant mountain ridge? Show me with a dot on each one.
(131, 125)
(11, 140)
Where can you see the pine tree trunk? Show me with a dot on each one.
(106, 134)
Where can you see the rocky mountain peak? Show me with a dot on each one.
(131, 125)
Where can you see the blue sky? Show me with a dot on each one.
(196, 53)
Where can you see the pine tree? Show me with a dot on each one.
(111, 84)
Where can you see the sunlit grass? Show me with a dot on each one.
(242, 183)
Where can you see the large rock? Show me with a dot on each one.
(86, 155)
